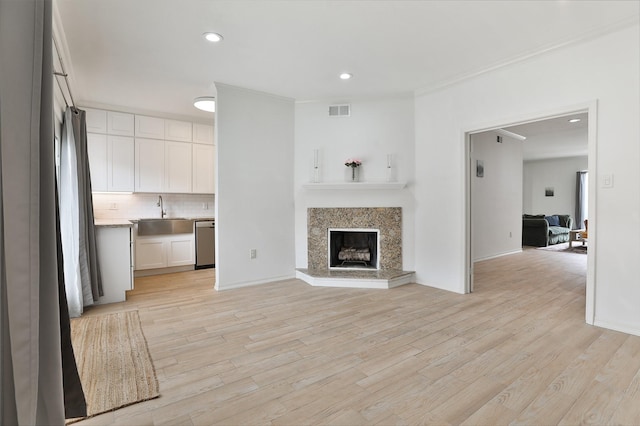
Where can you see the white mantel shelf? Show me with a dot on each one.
(355, 185)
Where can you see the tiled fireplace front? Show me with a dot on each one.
(388, 220)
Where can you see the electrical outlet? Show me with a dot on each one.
(113, 206)
(252, 253)
(205, 206)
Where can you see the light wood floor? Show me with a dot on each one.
(517, 351)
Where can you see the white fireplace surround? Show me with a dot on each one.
(368, 230)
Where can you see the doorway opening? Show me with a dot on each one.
(481, 167)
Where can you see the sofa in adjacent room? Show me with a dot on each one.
(541, 231)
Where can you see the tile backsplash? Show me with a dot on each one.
(137, 206)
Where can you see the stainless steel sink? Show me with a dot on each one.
(175, 225)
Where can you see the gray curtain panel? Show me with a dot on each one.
(75, 132)
(581, 198)
(31, 377)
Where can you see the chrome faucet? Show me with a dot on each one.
(160, 204)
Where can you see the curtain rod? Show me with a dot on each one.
(63, 73)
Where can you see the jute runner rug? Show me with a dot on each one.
(113, 360)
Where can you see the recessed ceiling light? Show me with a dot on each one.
(345, 76)
(574, 120)
(205, 103)
(213, 37)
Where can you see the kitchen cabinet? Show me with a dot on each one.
(149, 165)
(181, 250)
(178, 167)
(169, 156)
(203, 169)
(150, 253)
(111, 161)
(96, 120)
(149, 127)
(162, 166)
(164, 251)
(98, 159)
(180, 131)
(119, 123)
(114, 256)
(120, 163)
(203, 133)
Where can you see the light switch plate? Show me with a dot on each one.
(606, 180)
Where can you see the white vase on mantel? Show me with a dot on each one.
(353, 174)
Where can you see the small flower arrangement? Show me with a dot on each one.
(352, 162)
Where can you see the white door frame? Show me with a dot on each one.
(591, 108)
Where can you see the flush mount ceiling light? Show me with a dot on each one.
(345, 76)
(205, 103)
(574, 120)
(213, 37)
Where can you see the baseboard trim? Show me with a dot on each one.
(498, 255)
(159, 271)
(616, 326)
(252, 283)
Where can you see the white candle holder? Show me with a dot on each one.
(316, 166)
(389, 168)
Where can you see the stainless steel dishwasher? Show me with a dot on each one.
(205, 244)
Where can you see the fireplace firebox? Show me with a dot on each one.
(353, 248)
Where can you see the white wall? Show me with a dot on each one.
(496, 198)
(605, 69)
(254, 195)
(557, 173)
(375, 128)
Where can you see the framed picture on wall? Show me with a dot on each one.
(479, 168)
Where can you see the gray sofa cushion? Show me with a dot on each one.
(558, 230)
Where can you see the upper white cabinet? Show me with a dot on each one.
(149, 168)
(203, 166)
(119, 123)
(120, 163)
(111, 161)
(96, 120)
(149, 127)
(202, 133)
(175, 130)
(165, 156)
(98, 158)
(163, 166)
(177, 174)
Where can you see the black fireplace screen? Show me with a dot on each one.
(353, 249)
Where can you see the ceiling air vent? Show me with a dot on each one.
(339, 110)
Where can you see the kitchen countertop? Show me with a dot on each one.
(131, 222)
(113, 223)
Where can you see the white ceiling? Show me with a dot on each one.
(554, 138)
(150, 54)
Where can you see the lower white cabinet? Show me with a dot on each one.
(151, 253)
(165, 251)
(114, 257)
(181, 252)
